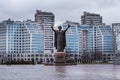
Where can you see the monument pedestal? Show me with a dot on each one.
(60, 58)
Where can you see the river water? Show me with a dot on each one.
(74, 72)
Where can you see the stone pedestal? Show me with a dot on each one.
(60, 58)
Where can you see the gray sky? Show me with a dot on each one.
(63, 9)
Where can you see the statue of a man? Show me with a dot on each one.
(60, 38)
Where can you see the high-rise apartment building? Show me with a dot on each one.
(21, 41)
(91, 19)
(72, 39)
(116, 33)
(46, 20)
(90, 39)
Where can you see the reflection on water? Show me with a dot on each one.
(60, 72)
(76, 72)
(60, 69)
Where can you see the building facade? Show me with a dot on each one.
(105, 43)
(25, 41)
(116, 33)
(46, 20)
(21, 41)
(91, 19)
(93, 41)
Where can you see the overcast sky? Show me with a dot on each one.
(63, 9)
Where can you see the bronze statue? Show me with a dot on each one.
(60, 38)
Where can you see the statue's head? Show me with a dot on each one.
(59, 27)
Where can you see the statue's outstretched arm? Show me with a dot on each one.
(67, 27)
(52, 28)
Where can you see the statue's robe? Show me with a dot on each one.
(63, 39)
